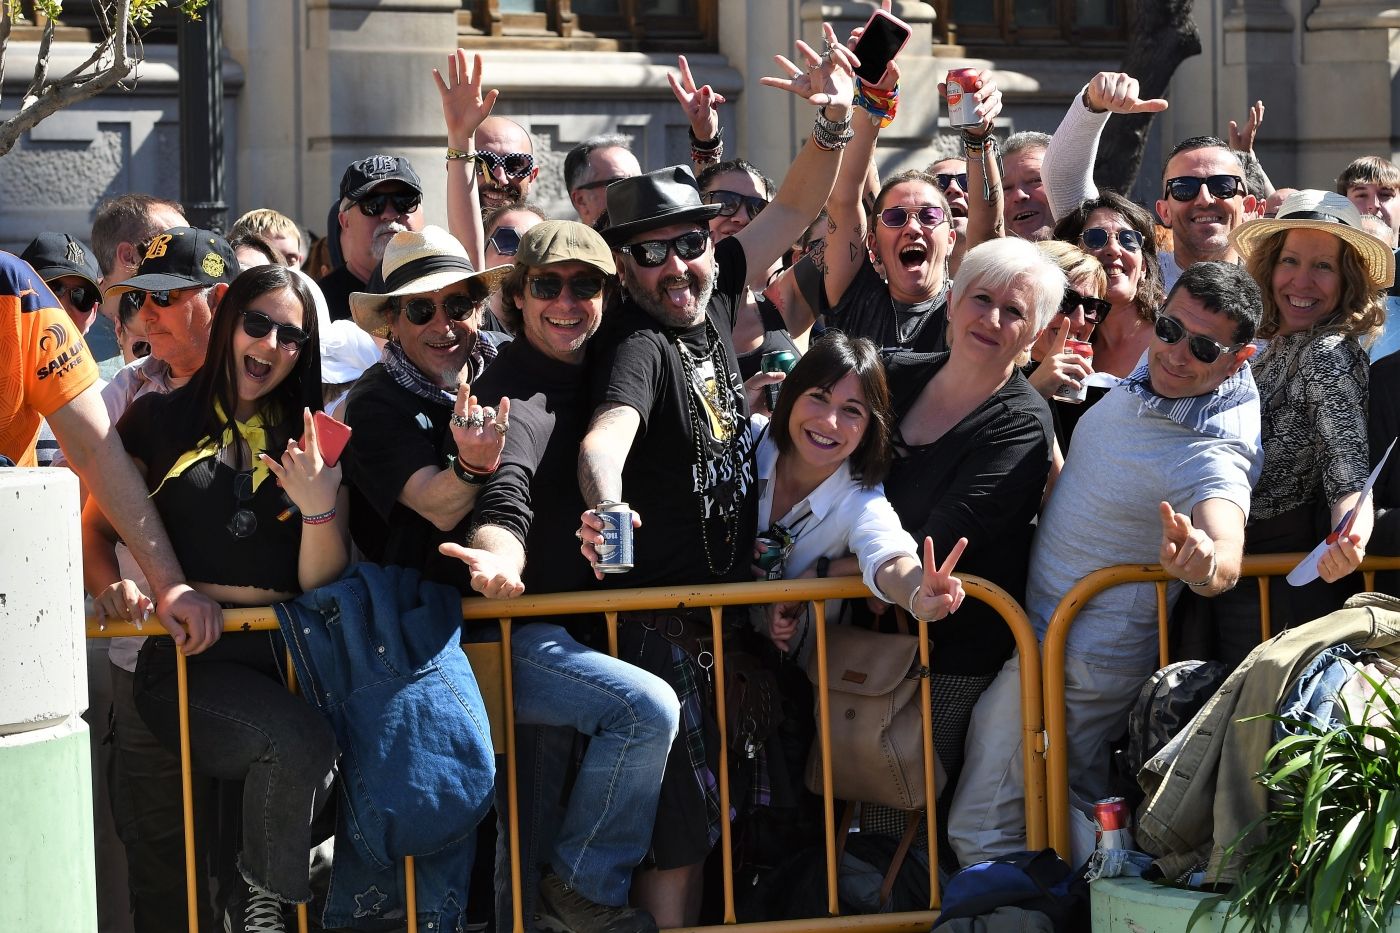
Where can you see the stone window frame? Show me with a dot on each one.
(559, 27)
(1065, 37)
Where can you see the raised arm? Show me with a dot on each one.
(984, 196)
(604, 450)
(1242, 142)
(701, 108)
(463, 109)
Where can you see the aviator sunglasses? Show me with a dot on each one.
(258, 325)
(515, 164)
(1170, 331)
(730, 201)
(1096, 238)
(929, 215)
(1221, 187)
(403, 203)
(421, 311)
(582, 287)
(651, 253)
(1095, 309)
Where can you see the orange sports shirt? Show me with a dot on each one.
(44, 363)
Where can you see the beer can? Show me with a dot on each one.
(776, 361)
(770, 556)
(1076, 396)
(1111, 816)
(615, 551)
(961, 87)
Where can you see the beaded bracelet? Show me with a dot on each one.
(982, 146)
(706, 151)
(320, 519)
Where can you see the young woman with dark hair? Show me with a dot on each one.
(250, 529)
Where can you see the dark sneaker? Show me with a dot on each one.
(561, 909)
(256, 911)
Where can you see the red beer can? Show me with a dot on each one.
(1111, 815)
(1075, 396)
(961, 87)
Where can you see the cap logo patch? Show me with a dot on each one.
(380, 165)
(213, 265)
(75, 252)
(160, 244)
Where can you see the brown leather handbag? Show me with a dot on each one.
(877, 751)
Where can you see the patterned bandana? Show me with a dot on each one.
(410, 377)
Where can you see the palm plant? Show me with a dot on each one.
(1331, 848)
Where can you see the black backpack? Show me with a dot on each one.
(1169, 700)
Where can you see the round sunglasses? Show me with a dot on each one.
(730, 201)
(548, 287)
(929, 216)
(258, 325)
(421, 311)
(1171, 331)
(1096, 238)
(651, 253)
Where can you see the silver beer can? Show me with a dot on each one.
(615, 552)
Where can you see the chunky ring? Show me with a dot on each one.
(476, 419)
(487, 412)
(501, 427)
(459, 421)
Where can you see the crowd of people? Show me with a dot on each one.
(509, 378)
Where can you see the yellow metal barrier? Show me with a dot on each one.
(1261, 566)
(497, 693)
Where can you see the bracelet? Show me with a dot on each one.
(830, 136)
(879, 103)
(320, 519)
(457, 155)
(707, 156)
(910, 607)
(983, 146)
(1210, 575)
(472, 476)
(706, 145)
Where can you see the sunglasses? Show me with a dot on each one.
(83, 297)
(1096, 238)
(130, 303)
(600, 183)
(1170, 331)
(548, 287)
(506, 240)
(651, 253)
(403, 203)
(244, 522)
(730, 201)
(515, 164)
(420, 311)
(946, 180)
(165, 297)
(258, 325)
(896, 217)
(1095, 309)
(1221, 187)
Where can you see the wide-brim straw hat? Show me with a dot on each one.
(1328, 211)
(418, 261)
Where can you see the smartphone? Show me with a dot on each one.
(333, 436)
(883, 39)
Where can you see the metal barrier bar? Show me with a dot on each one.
(1262, 566)
(713, 597)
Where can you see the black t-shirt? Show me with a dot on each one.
(867, 310)
(197, 506)
(337, 286)
(982, 480)
(534, 493)
(775, 337)
(394, 435)
(698, 517)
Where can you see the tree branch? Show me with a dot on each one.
(41, 64)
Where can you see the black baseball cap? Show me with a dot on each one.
(182, 257)
(361, 177)
(54, 255)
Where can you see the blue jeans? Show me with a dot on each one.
(631, 718)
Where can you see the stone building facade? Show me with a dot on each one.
(312, 84)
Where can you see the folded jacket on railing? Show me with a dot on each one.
(378, 653)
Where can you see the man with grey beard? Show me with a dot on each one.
(379, 197)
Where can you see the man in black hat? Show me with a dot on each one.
(379, 197)
(66, 265)
(669, 431)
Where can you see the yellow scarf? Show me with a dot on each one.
(252, 431)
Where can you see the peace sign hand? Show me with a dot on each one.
(940, 593)
(701, 105)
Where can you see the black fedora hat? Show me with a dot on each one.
(656, 199)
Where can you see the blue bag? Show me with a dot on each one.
(1038, 881)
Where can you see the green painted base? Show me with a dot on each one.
(1121, 904)
(46, 854)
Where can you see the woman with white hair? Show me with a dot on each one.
(972, 443)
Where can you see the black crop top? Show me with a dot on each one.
(197, 506)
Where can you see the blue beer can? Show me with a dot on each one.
(615, 552)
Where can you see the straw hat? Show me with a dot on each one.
(418, 261)
(1310, 209)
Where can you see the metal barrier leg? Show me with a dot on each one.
(833, 904)
(1266, 622)
(182, 686)
(512, 789)
(930, 798)
(410, 893)
(726, 831)
(1163, 626)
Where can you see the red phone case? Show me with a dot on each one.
(333, 436)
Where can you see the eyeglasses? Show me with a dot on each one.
(244, 522)
(651, 253)
(730, 201)
(1096, 238)
(548, 287)
(1221, 187)
(1095, 309)
(1170, 331)
(83, 297)
(600, 183)
(457, 308)
(258, 325)
(896, 217)
(515, 164)
(506, 240)
(403, 203)
(165, 297)
(945, 180)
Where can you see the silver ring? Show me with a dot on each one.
(578, 533)
(458, 421)
(501, 427)
(487, 412)
(476, 420)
